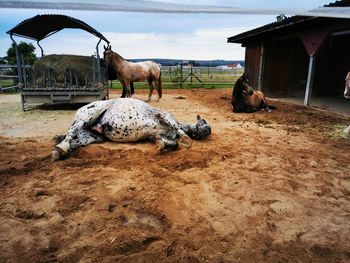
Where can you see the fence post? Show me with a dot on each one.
(23, 70)
(181, 76)
(191, 74)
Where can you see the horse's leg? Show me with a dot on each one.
(124, 89)
(151, 87)
(127, 88)
(163, 143)
(123, 93)
(264, 104)
(252, 109)
(241, 105)
(132, 89)
(157, 83)
(83, 137)
(85, 118)
(167, 119)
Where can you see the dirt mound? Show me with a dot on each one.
(264, 187)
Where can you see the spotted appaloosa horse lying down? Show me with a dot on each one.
(128, 120)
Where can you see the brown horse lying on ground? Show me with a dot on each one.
(246, 99)
(347, 95)
(129, 72)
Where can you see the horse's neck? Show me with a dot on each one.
(118, 61)
(237, 91)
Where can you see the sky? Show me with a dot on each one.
(154, 35)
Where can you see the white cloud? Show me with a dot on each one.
(5, 43)
(202, 44)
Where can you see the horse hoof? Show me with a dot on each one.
(160, 145)
(55, 155)
(63, 147)
(185, 141)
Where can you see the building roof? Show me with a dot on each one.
(341, 3)
(42, 26)
(287, 23)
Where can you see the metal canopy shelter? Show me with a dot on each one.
(42, 26)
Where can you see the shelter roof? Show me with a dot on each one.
(42, 26)
(287, 23)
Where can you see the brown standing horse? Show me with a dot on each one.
(129, 72)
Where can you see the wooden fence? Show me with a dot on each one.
(8, 78)
(172, 77)
(193, 77)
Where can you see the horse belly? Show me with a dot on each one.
(128, 128)
(139, 77)
(256, 99)
(130, 120)
(140, 72)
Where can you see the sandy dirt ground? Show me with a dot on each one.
(264, 187)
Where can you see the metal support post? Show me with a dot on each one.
(99, 77)
(310, 77)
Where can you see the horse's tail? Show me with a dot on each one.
(159, 87)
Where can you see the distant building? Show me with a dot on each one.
(230, 66)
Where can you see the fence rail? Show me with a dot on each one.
(172, 77)
(8, 78)
(193, 77)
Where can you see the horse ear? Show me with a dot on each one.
(347, 76)
(110, 47)
(198, 117)
(104, 47)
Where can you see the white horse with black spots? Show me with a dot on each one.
(128, 120)
(347, 95)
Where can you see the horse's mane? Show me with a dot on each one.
(237, 89)
(119, 56)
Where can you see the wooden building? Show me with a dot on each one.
(299, 56)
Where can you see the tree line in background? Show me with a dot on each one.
(25, 49)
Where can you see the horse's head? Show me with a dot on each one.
(107, 54)
(242, 87)
(197, 131)
(347, 86)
